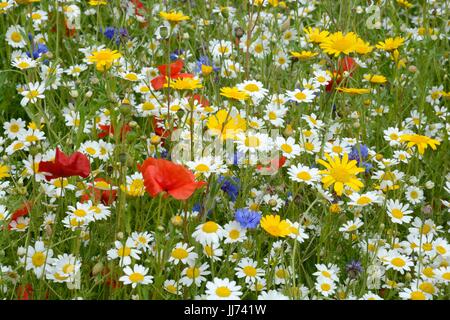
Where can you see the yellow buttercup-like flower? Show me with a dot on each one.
(390, 44)
(314, 35)
(340, 172)
(422, 142)
(233, 93)
(375, 78)
(104, 58)
(275, 226)
(304, 55)
(97, 2)
(353, 90)
(337, 43)
(173, 16)
(184, 84)
(225, 126)
(4, 171)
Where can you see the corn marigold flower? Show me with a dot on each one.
(390, 44)
(276, 227)
(104, 58)
(234, 93)
(338, 43)
(422, 142)
(340, 172)
(173, 16)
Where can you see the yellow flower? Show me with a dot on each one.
(337, 43)
(363, 47)
(314, 35)
(173, 16)
(422, 142)
(304, 55)
(184, 84)
(404, 4)
(4, 171)
(375, 78)
(226, 126)
(390, 44)
(340, 172)
(275, 226)
(104, 58)
(233, 93)
(97, 2)
(353, 90)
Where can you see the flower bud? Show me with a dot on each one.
(119, 235)
(429, 184)
(74, 93)
(98, 267)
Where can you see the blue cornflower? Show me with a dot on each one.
(37, 49)
(109, 32)
(230, 186)
(354, 268)
(355, 153)
(247, 218)
(203, 65)
(115, 34)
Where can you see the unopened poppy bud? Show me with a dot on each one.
(34, 150)
(427, 209)
(288, 131)
(412, 69)
(94, 80)
(164, 32)
(133, 124)
(125, 110)
(119, 235)
(356, 124)
(48, 230)
(123, 158)
(74, 93)
(382, 226)
(160, 228)
(5, 158)
(408, 276)
(131, 136)
(238, 32)
(88, 94)
(98, 267)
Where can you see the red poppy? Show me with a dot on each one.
(22, 211)
(201, 100)
(275, 164)
(165, 176)
(77, 164)
(107, 197)
(25, 292)
(174, 73)
(107, 130)
(347, 64)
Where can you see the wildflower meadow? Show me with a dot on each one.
(204, 150)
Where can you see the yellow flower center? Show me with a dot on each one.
(398, 262)
(124, 251)
(325, 287)
(300, 96)
(179, 253)
(249, 271)
(38, 259)
(193, 272)
(252, 142)
(286, 148)
(202, 168)
(364, 200)
(136, 277)
(397, 213)
(223, 292)
(303, 175)
(210, 227)
(234, 234)
(251, 87)
(16, 36)
(417, 295)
